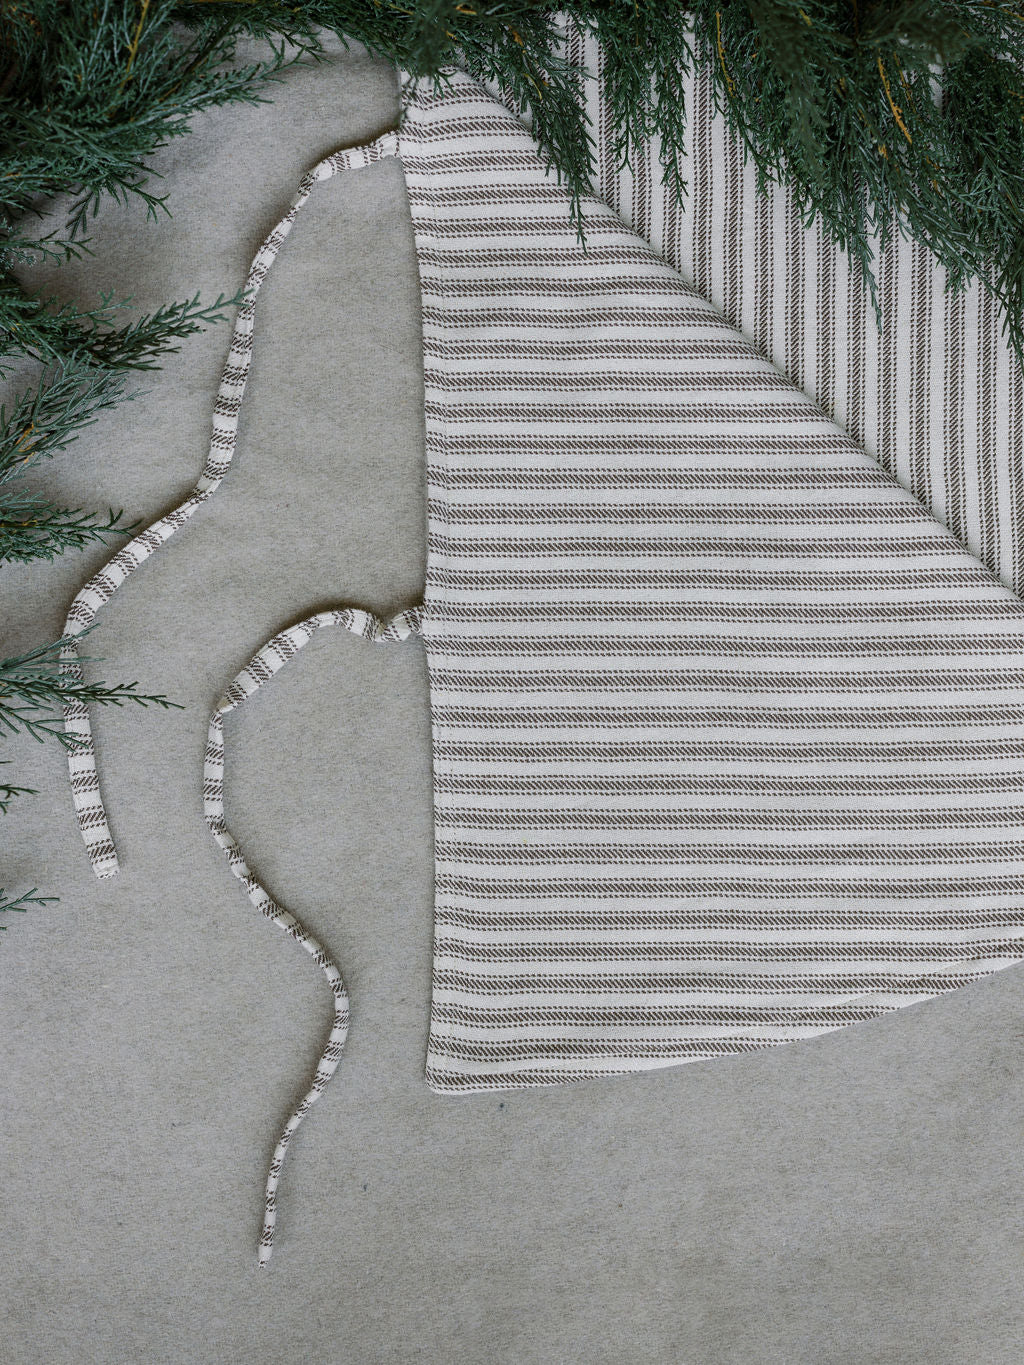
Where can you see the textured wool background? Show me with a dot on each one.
(851, 1199)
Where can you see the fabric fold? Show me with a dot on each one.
(935, 394)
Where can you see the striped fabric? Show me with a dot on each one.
(936, 396)
(728, 732)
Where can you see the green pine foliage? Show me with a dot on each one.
(33, 691)
(87, 94)
(897, 117)
(882, 115)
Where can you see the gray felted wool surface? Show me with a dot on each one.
(850, 1199)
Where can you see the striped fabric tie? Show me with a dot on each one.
(92, 819)
(727, 730)
(259, 670)
(85, 787)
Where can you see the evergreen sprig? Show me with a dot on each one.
(8, 792)
(22, 902)
(51, 330)
(44, 420)
(31, 527)
(90, 92)
(87, 95)
(33, 691)
(888, 117)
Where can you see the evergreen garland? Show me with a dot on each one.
(882, 115)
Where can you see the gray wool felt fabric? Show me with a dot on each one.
(845, 1199)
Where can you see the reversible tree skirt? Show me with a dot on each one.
(727, 729)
